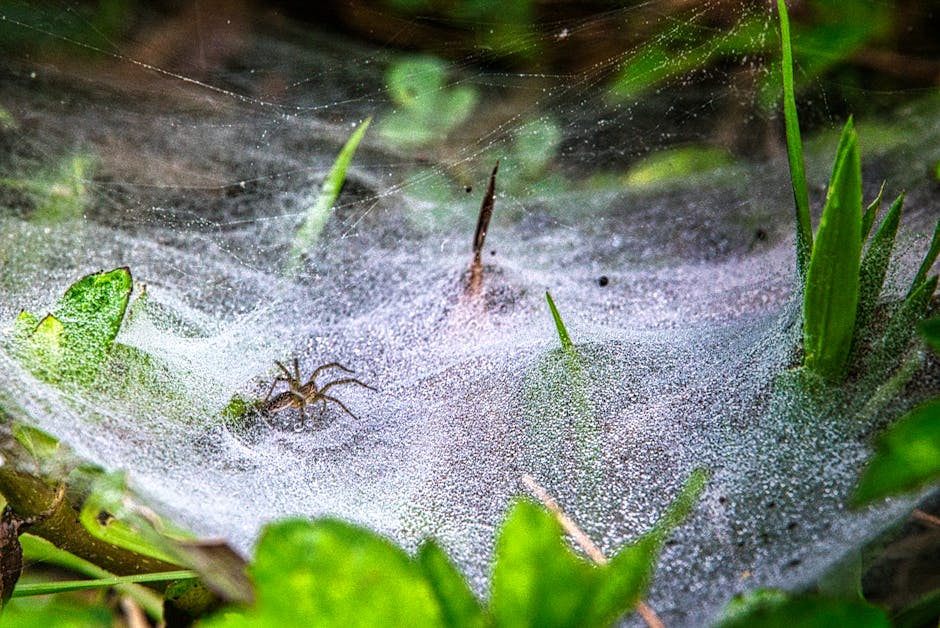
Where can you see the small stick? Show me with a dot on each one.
(133, 614)
(479, 236)
(924, 517)
(642, 608)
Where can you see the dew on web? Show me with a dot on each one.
(679, 299)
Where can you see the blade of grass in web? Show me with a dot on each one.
(901, 329)
(318, 214)
(830, 297)
(928, 262)
(36, 549)
(871, 212)
(566, 343)
(45, 588)
(804, 224)
(875, 264)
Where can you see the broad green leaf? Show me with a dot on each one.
(928, 262)
(108, 495)
(776, 609)
(331, 573)
(459, 606)
(40, 445)
(832, 281)
(871, 212)
(73, 340)
(535, 145)
(318, 214)
(804, 224)
(427, 109)
(673, 164)
(539, 581)
(875, 264)
(907, 455)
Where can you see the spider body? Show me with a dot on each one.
(300, 395)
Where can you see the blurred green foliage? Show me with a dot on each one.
(426, 108)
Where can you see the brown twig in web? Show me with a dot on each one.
(924, 517)
(584, 541)
(475, 284)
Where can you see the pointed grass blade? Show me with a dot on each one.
(45, 588)
(875, 263)
(804, 225)
(871, 212)
(832, 280)
(566, 343)
(318, 214)
(928, 262)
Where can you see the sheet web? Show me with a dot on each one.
(679, 297)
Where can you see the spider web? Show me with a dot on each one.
(678, 296)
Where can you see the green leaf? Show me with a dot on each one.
(331, 573)
(108, 495)
(318, 214)
(875, 264)
(871, 212)
(804, 224)
(563, 336)
(539, 581)
(459, 605)
(928, 262)
(427, 109)
(58, 611)
(832, 281)
(907, 455)
(775, 609)
(73, 340)
(930, 330)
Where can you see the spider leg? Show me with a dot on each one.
(327, 366)
(326, 398)
(346, 381)
(296, 371)
(284, 370)
(273, 384)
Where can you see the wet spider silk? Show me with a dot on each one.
(679, 299)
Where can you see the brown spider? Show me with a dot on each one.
(302, 395)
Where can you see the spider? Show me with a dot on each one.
(301, 395)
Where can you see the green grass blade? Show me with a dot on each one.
(871, 212)
(319, 213)
(45, 588)
(804, 224)
(832, 280)
(927, 264)
(901, 328)
(875, 264)
(566, 343)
